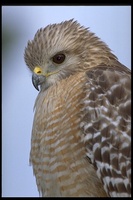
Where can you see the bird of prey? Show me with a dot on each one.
(81, 142)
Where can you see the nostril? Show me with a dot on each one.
(37, 70)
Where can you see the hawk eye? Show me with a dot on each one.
(59, 58)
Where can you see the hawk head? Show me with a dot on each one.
(60, 50)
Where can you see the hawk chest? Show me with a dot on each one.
(57, 152)
(56, 134)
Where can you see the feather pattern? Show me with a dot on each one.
(106, 126)
(81, 139)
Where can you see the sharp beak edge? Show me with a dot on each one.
(37, 80)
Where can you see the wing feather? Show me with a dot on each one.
(106, 125)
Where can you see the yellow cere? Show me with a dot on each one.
(37, 70)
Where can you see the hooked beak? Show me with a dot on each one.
(38, 80)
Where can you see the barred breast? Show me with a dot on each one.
(58, 153)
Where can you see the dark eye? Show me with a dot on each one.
(59, 58)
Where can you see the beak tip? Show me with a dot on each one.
(37, 80)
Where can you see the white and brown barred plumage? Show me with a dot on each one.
(81, 142)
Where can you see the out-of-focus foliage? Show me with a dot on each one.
(9, 38)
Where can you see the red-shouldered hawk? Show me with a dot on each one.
(81, 143)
